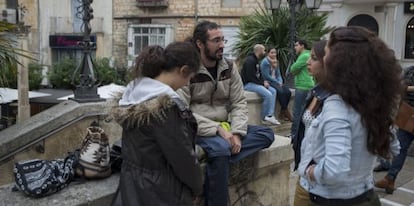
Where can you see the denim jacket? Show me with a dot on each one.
(297, 138)
(336, 142)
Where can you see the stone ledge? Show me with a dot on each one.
(100, 192)
(19, 135)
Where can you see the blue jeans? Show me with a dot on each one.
(283, 95)
(219, 156)
(300, 98)
(405, 139)
(268, 95)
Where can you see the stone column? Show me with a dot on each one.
(23, 106)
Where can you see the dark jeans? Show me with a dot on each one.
(300, 100)
(219, 157)
(405, 139)
(283, 95)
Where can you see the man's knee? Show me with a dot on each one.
(261, 133)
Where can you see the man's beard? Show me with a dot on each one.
(213, 57)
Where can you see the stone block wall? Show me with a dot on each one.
(181, 14)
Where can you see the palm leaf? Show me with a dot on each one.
(272, 29)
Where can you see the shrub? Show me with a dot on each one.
(62, 73)
(35, 76)
(60, 76)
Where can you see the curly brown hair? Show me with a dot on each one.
(365, 73)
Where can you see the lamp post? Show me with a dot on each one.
(86, 90)
(275, 4)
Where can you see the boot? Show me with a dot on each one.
(288, 116)
(387, 183)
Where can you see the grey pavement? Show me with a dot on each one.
(402, 196)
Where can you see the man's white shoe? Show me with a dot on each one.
(272, 120)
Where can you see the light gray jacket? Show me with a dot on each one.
(213, 100)
(337, 141)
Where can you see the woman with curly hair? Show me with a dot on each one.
(341, 144)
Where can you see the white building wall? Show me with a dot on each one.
(55, 17)
(389, 15)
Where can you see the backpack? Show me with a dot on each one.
(94, 154)
(39, 178)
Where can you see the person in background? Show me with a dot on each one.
(340, 146)
(216, 97)
(303, 82)
(405, 138)
(253, 81)
(310, 110)
(158, 140)
(271, 73)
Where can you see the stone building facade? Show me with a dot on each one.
(138, 23)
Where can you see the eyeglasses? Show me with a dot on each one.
(350, 34)
(218, 40)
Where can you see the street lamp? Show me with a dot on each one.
(272, 4)
(310, 4)
(86, 90)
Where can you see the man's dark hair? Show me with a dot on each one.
(200, 31)
(302, 42)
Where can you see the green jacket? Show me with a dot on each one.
(302, 78)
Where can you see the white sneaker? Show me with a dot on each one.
(272, 120)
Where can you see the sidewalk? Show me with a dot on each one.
(402, 196)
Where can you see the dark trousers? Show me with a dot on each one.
(405, 139)
(219, 157)
(283, 95)
(371, 199)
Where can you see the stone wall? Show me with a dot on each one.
(51, 134)
(181, 14)
(262, 179)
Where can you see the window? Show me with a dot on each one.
(143, 35)
(76, 21)
(366, 21)
(230, 33)
(409, 40)
(12, 4)
(231, 3)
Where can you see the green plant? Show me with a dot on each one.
(35, 76)
(60, 75)
(106, 73)
(62, 72)
(9, 53)
(272, 29)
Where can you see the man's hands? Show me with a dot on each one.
(266, 84)
(233, 139)
(235, 143)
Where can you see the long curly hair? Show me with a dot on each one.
(365, 73)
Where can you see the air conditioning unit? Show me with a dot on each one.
(9, 15)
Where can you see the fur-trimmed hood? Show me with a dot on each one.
(143, 99)
(140, 114)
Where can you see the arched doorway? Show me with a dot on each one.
(366, 21)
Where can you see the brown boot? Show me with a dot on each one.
(288, 116)
(387, 183)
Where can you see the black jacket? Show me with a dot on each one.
(297, 138)
(159, 163)
(251, 70)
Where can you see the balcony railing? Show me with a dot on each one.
(152, 3)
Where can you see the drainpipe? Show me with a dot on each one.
(196, 11)
(39, 34)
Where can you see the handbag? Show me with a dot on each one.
(405, 117)
(94, 154)
(39, 178)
